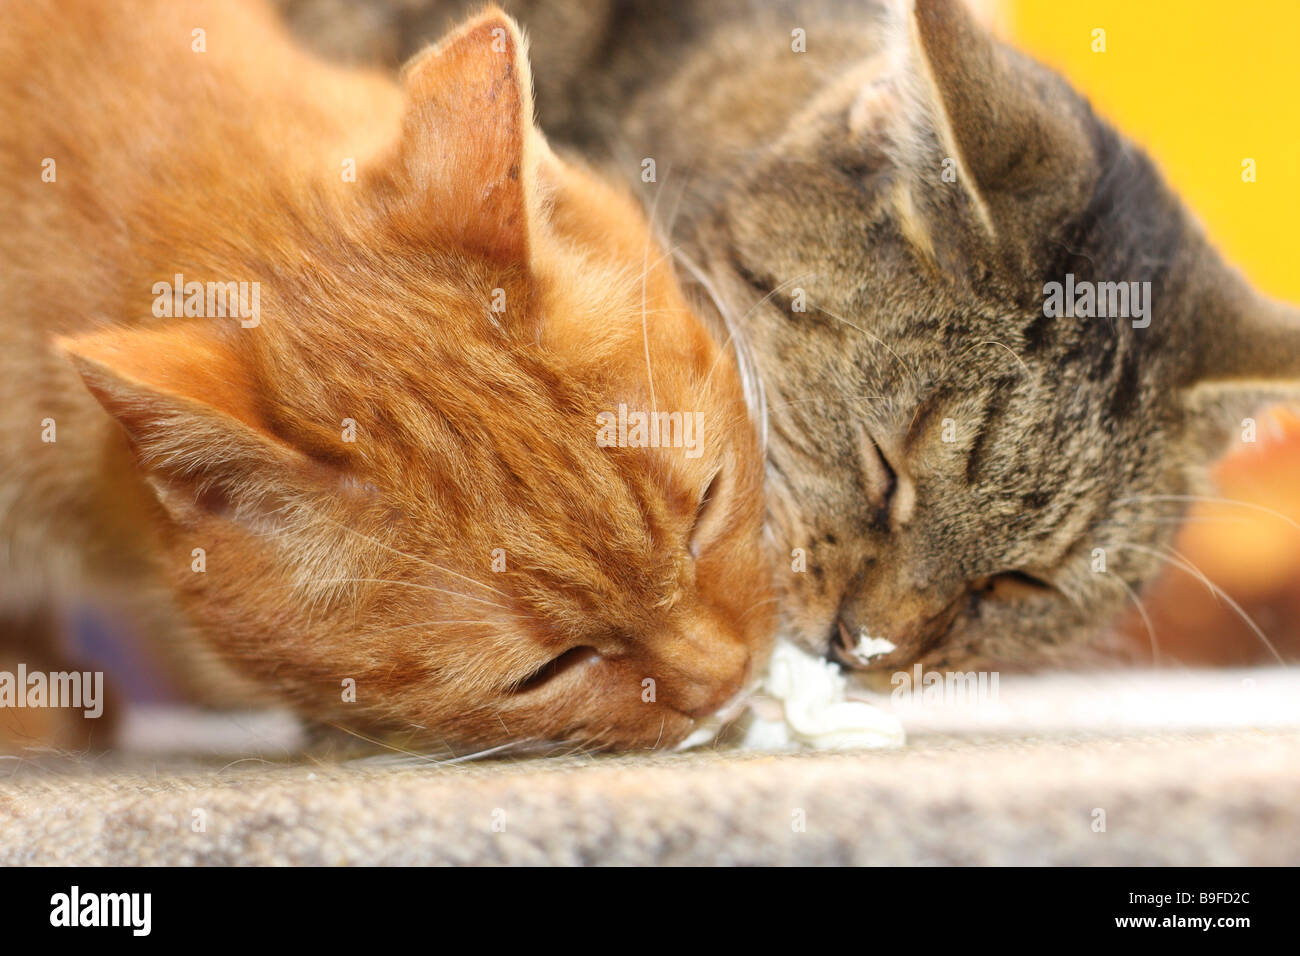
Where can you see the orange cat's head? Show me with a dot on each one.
(474, 469)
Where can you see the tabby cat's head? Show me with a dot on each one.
(408, 516)
(951, 468)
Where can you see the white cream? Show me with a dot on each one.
(814, 711)
(869, 647)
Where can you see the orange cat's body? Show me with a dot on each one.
(375, 488)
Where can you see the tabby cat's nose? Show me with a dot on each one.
(856, 647)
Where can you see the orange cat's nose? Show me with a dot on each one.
(699, 674)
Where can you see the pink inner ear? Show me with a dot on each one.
(464, 147)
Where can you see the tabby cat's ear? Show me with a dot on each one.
(189, 411)
(463, 176)
(1244, 341)
(1009, 133)
(1240, 351)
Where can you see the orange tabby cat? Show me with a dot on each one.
(370, 369)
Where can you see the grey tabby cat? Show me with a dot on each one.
(878, 198)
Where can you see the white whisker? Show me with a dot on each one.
(879, 341)
(1146, 619)
(1014, 354)
(398, 551)
(645, 270)
(1207, 499)
(405, 584)
(751, 381)
(1215, 590)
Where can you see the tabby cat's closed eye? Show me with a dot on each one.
(1011, 586)
(880, 478)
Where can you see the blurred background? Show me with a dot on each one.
(1204, 85)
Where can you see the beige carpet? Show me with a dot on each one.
(990, 795)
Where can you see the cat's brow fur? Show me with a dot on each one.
(817, 178)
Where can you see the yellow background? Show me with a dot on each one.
(1201, 84)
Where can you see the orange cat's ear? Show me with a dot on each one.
(189, 410)
(465, 165)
